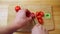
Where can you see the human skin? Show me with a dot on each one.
(20, 21)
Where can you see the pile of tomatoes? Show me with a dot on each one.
(39, 16)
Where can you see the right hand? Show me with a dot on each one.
(21, 18)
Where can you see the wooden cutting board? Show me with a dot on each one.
(48, 22)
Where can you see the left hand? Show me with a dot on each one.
(39, 29)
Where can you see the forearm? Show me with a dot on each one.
(13, 27)
(4, 30)
(10, 28)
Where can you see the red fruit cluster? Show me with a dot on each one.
(39, 16)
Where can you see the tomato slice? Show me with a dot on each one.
(17, 8)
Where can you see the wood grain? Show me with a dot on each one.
(56, 12)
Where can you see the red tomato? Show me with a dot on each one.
(17, 8)
(41, 13)
(38, 17)
(40, 21)
(28, 13)
(37, 14)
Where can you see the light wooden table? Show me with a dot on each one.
(56, 13)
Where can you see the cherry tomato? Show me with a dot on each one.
(37, 14)
(40, 21)
(17, 8)
(41, 13)
(28, 13)
(38, 17)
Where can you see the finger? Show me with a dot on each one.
(26, 12)
(46, 31)
(33, 15)
(37, 26)
(23, 11)
(37, 29)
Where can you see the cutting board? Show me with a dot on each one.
(33, 7)
(48, 22)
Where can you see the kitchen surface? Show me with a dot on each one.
(51, 7)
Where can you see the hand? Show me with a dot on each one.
(20, 21)
(39, 29)
(21, 18)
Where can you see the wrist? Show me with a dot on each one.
(12, 27)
